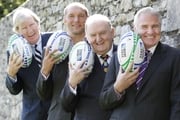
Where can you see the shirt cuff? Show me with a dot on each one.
(14, 79)
(73, 90)
(120, 94)
(44, 76)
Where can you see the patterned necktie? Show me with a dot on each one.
(105, 62)
(37, 55)
(143, 67)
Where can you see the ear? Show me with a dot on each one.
(134, 28)
(113, 31)
(64, 20)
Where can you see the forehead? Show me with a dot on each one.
(75, 10)
(146, 18)
(97, 26)
(26, 19)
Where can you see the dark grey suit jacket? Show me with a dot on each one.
(85, 103)
(159, 95)
(33, 108)
(52, 87)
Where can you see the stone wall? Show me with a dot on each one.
(121, 12)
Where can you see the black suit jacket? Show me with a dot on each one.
(159, 95)
(33, 108)
(85, 103)
(52, 87)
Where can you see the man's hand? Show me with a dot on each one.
(15, 63)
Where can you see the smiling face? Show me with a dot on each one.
(148, 26)
(74, 20)
(100, 35)
(29, 29)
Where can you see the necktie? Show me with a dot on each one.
(37, 55)
(143, 67)
(105, 62)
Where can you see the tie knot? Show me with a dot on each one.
(104, 57)
(148, 55)
(36, 45)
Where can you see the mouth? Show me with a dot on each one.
(32, 35)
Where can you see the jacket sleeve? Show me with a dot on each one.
(109, 99)
(14, 86)
(68, 98)
(44, 87)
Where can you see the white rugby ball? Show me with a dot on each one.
(80, 52)
(11, 39)
(130, 49)
(61, 41)
(19, 45)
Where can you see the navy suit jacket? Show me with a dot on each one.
(85, 103)
(33, 108)
(159, 95)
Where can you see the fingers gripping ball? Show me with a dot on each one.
(80, 52)
(62, 42)
(130, 49)
(18, 45)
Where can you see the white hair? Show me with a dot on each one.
(97, 17)
(21, 14)
(145, 10)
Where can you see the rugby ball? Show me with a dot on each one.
(82, 51)
(62, 42)
(18, 45)
(130, 49)
(11, 39)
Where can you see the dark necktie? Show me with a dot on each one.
(37, 55)
(143, 67)
(105, 62)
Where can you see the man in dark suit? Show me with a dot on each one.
(27, 24)
(52, 77)
(158, 95)
(82, 88)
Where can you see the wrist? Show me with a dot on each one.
(118, 88)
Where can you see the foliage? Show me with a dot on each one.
(6, 6)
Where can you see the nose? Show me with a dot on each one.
(150, 30)
(76, 18)
(98, 38)
(29, 29)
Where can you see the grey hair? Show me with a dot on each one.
(22, 13)
(77, 4)
(144, 11)
(97, 17)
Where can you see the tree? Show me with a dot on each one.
(6, 6)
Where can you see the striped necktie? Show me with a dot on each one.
(37, 55)
(143, 67)
(105, 62)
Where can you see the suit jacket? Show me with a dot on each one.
(51, 88)
(33, 108)
(159, 95)
(85, 103)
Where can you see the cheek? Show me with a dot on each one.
(90, 39)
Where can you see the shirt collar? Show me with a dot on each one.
(152, 49)
(39, 41)
(109, 53)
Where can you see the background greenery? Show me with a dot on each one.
(6, 6)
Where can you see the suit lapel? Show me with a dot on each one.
(154, 63)
(43, 41)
